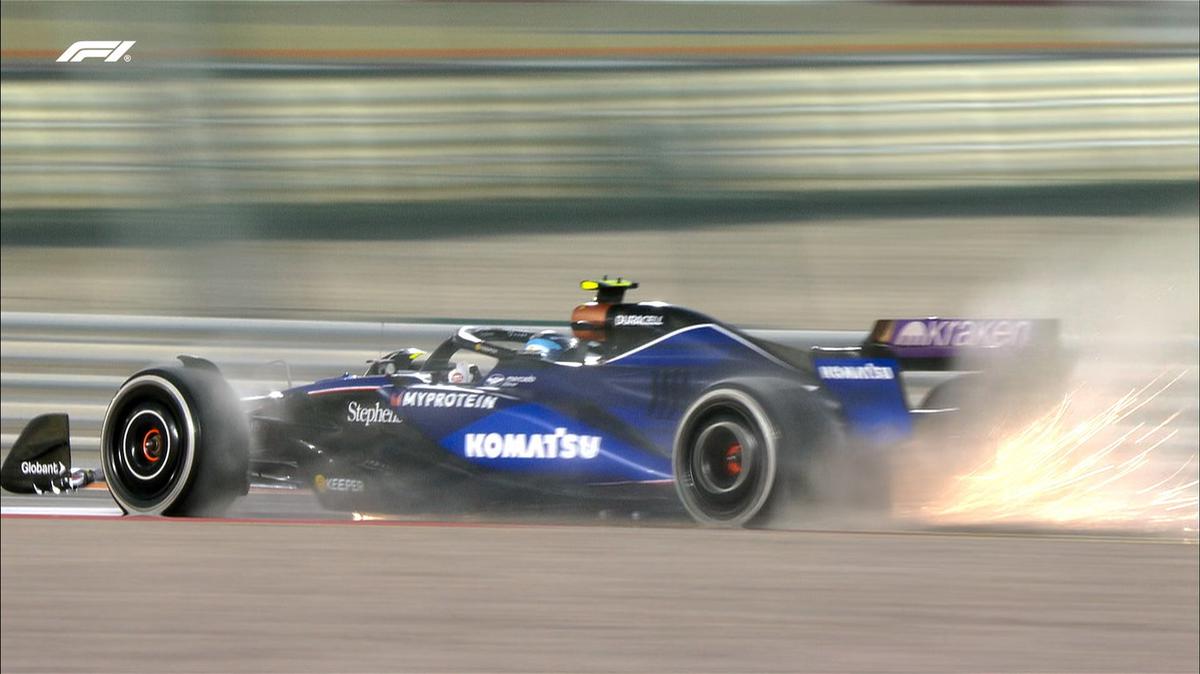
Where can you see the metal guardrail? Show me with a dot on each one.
(75, 362)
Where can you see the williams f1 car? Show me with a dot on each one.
(641, 402)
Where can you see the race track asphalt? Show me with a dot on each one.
(291, 595)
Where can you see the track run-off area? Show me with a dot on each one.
(280, 588)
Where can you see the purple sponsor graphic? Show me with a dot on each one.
(941, 337)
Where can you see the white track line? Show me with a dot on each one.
(95, 511)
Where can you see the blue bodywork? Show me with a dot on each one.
(644, 403)
(597, 421)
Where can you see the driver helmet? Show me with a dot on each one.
(550, 345)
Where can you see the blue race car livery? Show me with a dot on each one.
(642, 403)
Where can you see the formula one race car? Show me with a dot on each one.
(643, 402)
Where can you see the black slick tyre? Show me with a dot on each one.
(725, 458)
(175, 442)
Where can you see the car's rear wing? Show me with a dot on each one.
(961, 343)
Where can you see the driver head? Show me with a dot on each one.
(463, 373)
(550, 345)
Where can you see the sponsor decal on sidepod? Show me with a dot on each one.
(447, 399)
(370, 414)
(557, 445)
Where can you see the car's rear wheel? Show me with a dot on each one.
(174, 442)
(725, 458)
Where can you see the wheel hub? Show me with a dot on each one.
(721, 462)
(152, 445)
(147, 450)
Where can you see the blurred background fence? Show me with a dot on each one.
(802, 164)
(232, 103)
(699, 132)
(786, 164)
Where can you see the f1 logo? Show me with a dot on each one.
(109, 50)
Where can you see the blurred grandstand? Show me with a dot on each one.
(279, 159)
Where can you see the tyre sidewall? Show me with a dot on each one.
(766, 431)
(217, 438)
(810, 435)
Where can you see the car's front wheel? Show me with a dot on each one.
(174, 442)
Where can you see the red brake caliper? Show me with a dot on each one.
(733, 459)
